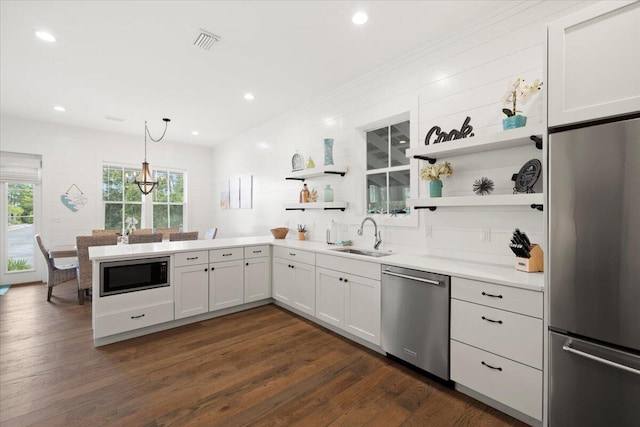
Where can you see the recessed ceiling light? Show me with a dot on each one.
(402, 142)
(43, 35)
(359, 18)
(59, 108)
(249, 96)
(195, 132)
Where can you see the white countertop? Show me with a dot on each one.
(470, 270)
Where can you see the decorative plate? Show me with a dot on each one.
(297, 162)
(528, 176)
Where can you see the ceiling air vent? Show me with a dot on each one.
(205, 39)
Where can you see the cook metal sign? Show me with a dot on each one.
(436, 135)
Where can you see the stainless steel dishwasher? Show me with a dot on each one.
(415, 318)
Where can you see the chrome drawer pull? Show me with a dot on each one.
(600, 360)
(137, 317)
(189, 259)
(491, 320)
(490, 295)
(492, 367)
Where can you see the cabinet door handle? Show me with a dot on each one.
(292, 254)
(227, 254)
(491, 295)
(345, 280)
(257, 252)
(137, 317)
(212, 268)
(340, 278)
(247, 264)
(497, 368)
(206, 269)
(192, 258)
(491, 320)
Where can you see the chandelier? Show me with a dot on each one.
(144, 180)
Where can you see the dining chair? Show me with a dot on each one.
(57, 274)
(211, 233)
(145, 238)
(189, 235)
(166, 231)
(85, 267)
(104, 232)
(142, 231)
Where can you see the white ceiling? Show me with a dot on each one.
(135, 59)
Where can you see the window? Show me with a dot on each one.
(388, 170)
(122, 199)
(168, 199)
(20, 261)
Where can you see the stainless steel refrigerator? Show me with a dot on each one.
(594, 275)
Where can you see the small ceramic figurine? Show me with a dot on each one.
(311, 164)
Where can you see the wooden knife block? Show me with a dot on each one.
(533, 264)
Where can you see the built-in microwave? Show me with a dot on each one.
(117, 277)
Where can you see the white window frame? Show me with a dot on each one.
(388, 219)
(147, 200)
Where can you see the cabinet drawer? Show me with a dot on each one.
(511, 383)
(511, 335)
(257, 251)
(229, 254)
(352, 266)
(499, 296)
(295, 255)
(183, 259)
(129, 320)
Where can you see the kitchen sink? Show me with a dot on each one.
(364, 252)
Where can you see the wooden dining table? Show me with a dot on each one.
(63, 251)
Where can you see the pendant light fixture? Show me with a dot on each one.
(144, 180)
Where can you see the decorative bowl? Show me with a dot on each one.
(280, 232)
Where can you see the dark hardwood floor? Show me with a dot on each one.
(264, 366)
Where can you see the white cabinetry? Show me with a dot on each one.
(191, 294)
(257, 273)
(594, 63)
(294, 279)
(349, 301)
(496, 343)
(226, 278)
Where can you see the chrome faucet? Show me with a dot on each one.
(377, 235)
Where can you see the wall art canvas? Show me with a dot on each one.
(246, 192)
(224, 195)
(234, 193)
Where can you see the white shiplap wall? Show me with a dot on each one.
(463, 75)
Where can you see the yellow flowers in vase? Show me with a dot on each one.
(432, 174)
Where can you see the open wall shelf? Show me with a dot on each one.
(497, 141)
(535, 201)
(303, 174)
(327, 206)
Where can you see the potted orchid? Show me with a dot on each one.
(432, 174)
(517, 91)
